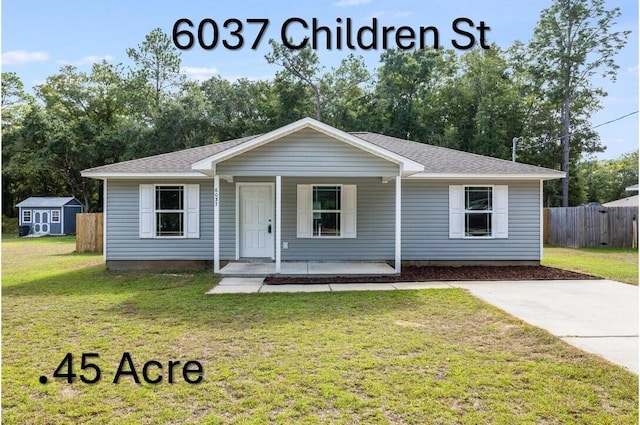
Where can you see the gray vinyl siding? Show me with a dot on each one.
(425, 224)
(375, 224)
(123, 241)
(307, 153)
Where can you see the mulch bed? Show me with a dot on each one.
(430, 273)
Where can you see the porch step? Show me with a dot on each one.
(306, 268)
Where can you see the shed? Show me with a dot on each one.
(49, 215)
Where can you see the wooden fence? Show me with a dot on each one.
(586, 226)
(89, 232)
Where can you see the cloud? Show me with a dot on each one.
(199, 73)
(15, 57)
(382, 14)
(87, 60)
(633, 69)
(347, 3)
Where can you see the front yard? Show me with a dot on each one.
(389, 357)
(609, 263)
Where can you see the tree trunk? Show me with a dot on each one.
(566, 138)
(316, 92)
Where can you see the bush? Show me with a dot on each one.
(9, 225)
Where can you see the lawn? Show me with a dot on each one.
(610, 263)
(396, 357)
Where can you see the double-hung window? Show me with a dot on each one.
(170, 211)
(26, 216)
(478, 212)
(55, 216)
(326, 204)
(326, 211)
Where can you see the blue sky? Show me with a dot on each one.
(39, 36)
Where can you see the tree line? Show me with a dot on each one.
(479, 101)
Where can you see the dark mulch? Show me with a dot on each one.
(429, 273)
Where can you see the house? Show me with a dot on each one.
(308, 191)
(630, 201)
(49, 215)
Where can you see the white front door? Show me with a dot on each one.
(41, 221)
(256, 232)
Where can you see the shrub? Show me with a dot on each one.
(9, 225)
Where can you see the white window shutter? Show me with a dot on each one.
(193, 210)
(501, 211)
(304, 211)
(146, 210)
(456, 212)
(349, 203)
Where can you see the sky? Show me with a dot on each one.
(40, 36)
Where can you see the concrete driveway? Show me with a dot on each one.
(598, 316)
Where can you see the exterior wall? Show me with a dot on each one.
(425, 224)
(123, 241)
(307, 153)
(54, 228)
(69, 221)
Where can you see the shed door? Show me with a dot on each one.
(41, 221)
(256, 221)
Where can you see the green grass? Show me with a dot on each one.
(610, 263)
(431, 356)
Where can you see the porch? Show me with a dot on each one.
(305, 268)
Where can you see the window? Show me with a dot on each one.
(326, 210)
(170, 211)
(55, 216)
(26, 216)
(478, 211)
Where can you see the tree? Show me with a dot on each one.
(573, 42)
(158, 64)
(606, 180)
(304, 65)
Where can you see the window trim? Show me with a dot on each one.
(312, 210)
(465, 211)
(183, 211)
(52, 219)
(30, 216)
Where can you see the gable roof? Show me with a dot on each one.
(415, 159)
(46, 202)
(631, 201)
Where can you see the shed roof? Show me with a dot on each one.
(631, 201)
(46, 201)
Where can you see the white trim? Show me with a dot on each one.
(465, 211)
(132, 175)
(104, 220)
(238, 185)
(407, 166)
(22, 211)
(541, 220)
(62, 221)
(59, 216)
(476, 176)
(398, 253)
(216, 224)
(278, 222)
(183, 211)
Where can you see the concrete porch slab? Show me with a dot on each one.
(304, 268)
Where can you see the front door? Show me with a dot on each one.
(41, 221)
(256, 231)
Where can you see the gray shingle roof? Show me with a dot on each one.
(437, 160)
(441, 160)
(47, 201)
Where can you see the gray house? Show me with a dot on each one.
(49, 215)
(308, 191)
